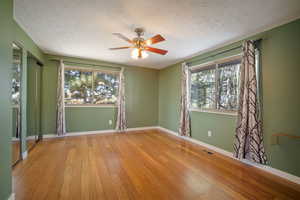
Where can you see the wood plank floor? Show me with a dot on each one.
(15, 151)
(139, 165)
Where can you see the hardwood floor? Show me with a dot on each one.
(139, 165)
(15, 151)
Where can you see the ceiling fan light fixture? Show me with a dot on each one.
(148, 42)
(135, 54)
(140, 46)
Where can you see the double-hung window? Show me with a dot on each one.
(90, 87)
(214, 86)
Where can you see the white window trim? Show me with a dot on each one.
(206, 65)
(91, 106)
(90, 69)
(215, 62)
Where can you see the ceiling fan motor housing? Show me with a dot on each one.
(139, 42)
(139, 31)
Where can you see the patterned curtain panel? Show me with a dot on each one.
(184, 126)
(18, 123)
(60, 108)
(121, 117)
(248, 142)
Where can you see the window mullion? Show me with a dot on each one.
(93, 87)
(217, 87)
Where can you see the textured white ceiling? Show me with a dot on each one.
(82, 28)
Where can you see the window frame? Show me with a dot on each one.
(213, 65)
(92, 70)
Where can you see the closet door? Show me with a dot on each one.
(33, 102)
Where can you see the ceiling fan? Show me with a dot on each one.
(139, 45)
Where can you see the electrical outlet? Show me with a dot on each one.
(110, 122)
(209, 133)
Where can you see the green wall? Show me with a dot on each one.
(30, 49)
(281, 106)
(141, 85)
(6, 21)
(89, 118)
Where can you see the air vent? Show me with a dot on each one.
(208, 152)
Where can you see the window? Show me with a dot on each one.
(90, 87)
(203, 88)
(215, 86)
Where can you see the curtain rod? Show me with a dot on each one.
(222, 52)
(95, 65)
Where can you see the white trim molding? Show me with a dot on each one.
(216, 61)
(70, 134)
(15, 139)
(24, 155)
(277, 172)
(90, 106)
(214, 111)
(12, 197)
(142, 128)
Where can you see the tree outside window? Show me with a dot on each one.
(90, 87)
(215, 87)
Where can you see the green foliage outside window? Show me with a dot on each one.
(215, 86)
(90, 87)
(203, 89)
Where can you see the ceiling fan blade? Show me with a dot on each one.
(119, 35)
(117, 48)
(154, 40)
(155, 50)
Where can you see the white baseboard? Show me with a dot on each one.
(70, 134)
(142, 128)
(266, 168)
(24, 155)
(32, 137)
(12, 196)
(15, 139)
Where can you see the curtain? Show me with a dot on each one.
(184, 125)
(121, 117)
(18, 122)
(60, 107)
(248, 142)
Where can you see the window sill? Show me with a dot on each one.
(213, 111)
(90, 106)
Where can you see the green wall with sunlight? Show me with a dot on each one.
(281, 106)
